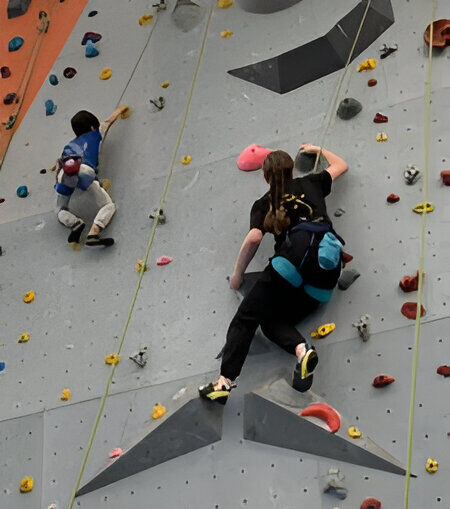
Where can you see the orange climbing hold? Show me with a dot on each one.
(139, 264)
(225, 34)
(367, 65)
(145, 19)
(158, 411)
(409, 309)
(370, 503)
(382, 381)
(106, 74)
(324, 412)
(29, 297)
(125, 112)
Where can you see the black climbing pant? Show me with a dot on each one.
(277, 307)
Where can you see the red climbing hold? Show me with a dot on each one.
(409, 309)
(445, 175)
(370, 503)
(441, 33)
(372, 82)
(324, 412)
(379, 118)
(90, 36)
(69, 72)
(163, 260)
(409, 283)
(5, 72)
(382, 381)
(346, 258)
(443, 370)
(393, 198)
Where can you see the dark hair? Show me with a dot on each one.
(277, 168)
(83, 121)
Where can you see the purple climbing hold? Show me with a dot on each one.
(15, 43)
(10, 98)
(69, 72)
(92, 13)
(5, 72)
(90, 36)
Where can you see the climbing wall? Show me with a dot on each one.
(182, 310)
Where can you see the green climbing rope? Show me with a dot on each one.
(145, 259)
(417, 328)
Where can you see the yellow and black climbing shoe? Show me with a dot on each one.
(210, 393)
(303, 373)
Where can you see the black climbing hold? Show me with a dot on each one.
(348, 108)
(92, 13)
(69, 72)
(90, 36)
(43, 171)
(17, 8)
(2, 200)
(305, 162)
(10, 98)
(5, 72)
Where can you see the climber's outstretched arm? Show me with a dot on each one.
(245, 256)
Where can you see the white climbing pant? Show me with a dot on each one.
(96, 196)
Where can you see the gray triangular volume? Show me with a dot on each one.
(17, 8)
(264, 73)
(269, 423)
(196, 424)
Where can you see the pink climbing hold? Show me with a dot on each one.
(326, 413)
(409, 283)
(163, 260)
(370, 503)
(443, 370)
(445, 175)
(252, 157)
(409, 309)
(115, 453)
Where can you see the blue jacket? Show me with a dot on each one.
(86, 146)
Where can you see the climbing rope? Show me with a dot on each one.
(417, 328)
(144, 262)
(333, 103)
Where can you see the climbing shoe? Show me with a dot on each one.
(303, 373)
(75, 234)
(219, 395)
(96, 241)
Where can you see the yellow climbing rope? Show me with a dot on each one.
(417, 328)
(147, 250)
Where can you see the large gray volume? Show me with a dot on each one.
(265, 6)
(17, 8)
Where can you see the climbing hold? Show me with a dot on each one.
(423, 207)
(382, 381)
(186, 160)
(346, 258)
(367, 65)
(354, 432)
(90, 36)
(443, 370)
(441, 33)
(106, 74)
(50, 107)
(370, 503)
(372, 82)
(224, 4)
(92, 13)
(5, 72)
(69, 72)
(22, 191)
(28, 297)
(53, 79)
(115, 453)
(324, 412)
(65, 394)
(2, 200)
(347, 278)
(338, 212)
(17, 8)
(393, 198)
(335, 485)
(159, 103)
(445, 175)
(140, 358)
(409, 309)
(125, 111)
(91, 51)
(306, 162)
(52, 506)
(431, 465)
(138, 267)
(2, 366)
(225, 34)
(363, 327)
(26, 484)
(379, 118)
(348, 108)
(112, 358)
(382, 136)
(411, 174)
(252, 157)
(10, 98)
(15, 43)
(24, 337)
(165, 84)
(145, 19)
(163, 260)
(158, 411)
(159, 215)
(387, 50)
(409, 283)
(323, 330)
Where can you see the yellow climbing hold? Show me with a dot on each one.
(29, 297)
(125, 111)
(382, 136)
(145, 19)
(425, 206)
(24, 337)
(158, 411)
(65, 395)
(431, 465)
(224, 4)
(76, 246)
(354, 432)
(139, 264)
(112, 358)
(26, 484)
(367, 65)
(323, 330)
(165, 84)
(186, 160)
(225, 34)
(106, 74)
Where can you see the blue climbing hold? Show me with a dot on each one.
(91, 50)
(22, 191)
(2, 366)
(50, 107)
(53, 79)
(15, 43)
